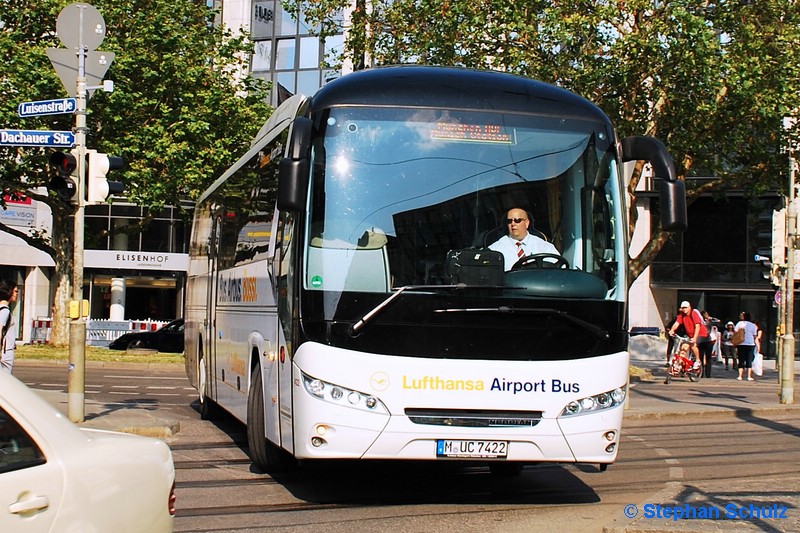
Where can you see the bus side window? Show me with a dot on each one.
(285, 272)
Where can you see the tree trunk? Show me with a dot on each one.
(62, 280)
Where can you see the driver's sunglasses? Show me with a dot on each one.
(515, 220)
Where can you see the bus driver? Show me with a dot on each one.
(519, 243)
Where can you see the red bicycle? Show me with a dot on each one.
(682, 361)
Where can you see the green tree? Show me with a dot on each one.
(713, 80)
(181, 111)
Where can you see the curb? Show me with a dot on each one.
(97, 364)
(160, 430)
(633, 414)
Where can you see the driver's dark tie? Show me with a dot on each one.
(520, 251)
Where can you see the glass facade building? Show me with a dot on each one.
(286, 53)
(713, 264)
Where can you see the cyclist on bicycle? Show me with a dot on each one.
(695, 326)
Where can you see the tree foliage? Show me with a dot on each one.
(180, 113)
(713, 80)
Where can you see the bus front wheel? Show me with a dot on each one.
(266, 456)
(208, 410)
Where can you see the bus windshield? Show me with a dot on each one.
(396, 193)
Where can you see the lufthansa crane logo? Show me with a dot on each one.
(379, 381)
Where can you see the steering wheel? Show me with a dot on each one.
(541, 261)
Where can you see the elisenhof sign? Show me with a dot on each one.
(118, 259)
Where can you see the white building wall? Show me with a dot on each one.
(646, 305)
(236, 15)
(37, 300)
(643, 309)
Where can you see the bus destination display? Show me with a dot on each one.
(483, 133)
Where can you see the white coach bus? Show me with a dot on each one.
(343, 301)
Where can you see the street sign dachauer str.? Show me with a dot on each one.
(61, 139)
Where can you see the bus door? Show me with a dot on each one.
(210, 321)
(284, 272)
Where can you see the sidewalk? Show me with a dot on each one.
(720, 395)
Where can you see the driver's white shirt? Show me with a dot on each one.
(530, 245)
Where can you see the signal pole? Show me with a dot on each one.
(787, 353)
(91, 30)
(76, 381)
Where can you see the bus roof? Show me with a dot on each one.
(454, 88)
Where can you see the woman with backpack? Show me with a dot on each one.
(8, 296)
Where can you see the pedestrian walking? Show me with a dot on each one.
(745, 350)
(728, 349)
(712, 326)
(759, 335)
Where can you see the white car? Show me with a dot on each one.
(55, 476)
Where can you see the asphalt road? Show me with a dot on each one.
(724, 461)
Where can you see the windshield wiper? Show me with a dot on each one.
(359, 325)
(597, 331)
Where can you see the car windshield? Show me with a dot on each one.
(397, 191)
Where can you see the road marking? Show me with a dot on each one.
(675, 472)
(124, 386)
(146, 377)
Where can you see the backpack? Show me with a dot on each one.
(689, 322)
(5, 326)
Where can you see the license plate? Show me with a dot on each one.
(472, 448)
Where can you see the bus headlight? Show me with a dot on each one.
(593, 404)
(338, 395)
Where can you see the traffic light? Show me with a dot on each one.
(65, 178)
(779, 236)
(771, 239)
(98, 188)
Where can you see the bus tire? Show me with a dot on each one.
(266, 456)
(208, 410)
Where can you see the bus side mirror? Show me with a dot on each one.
(292, 178)
(672, 198)
(672, 191)
(293, 169)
